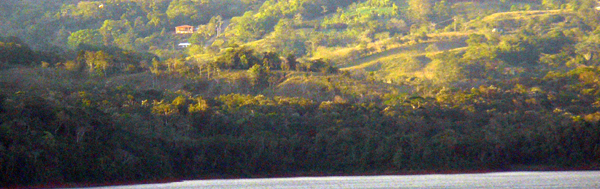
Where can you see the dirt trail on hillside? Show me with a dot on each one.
(420, 48)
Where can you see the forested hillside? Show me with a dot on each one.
(106, 91)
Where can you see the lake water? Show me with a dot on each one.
(567, 179)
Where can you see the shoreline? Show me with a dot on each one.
(515, 168)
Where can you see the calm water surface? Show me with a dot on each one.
(567, 179)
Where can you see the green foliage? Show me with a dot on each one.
(117, 59)
(238, 58)
(13, 51)
(177, 65)
(289, 63)
(419, 10)
(163, 109)
(479, 49)
(446, 69)
(184, 9)
(117, 33)
(552, 4)
(286, 39)
(86, 10)
(260, 76)
(519, 50)
(86, 36)
(200, 106)
(271, 60)
(245, 28)
(589, 49)
(469, 99)
(442, 10)
(317, 65)
(553, 42)
(97, 62)
(160, 138)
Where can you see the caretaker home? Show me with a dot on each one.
(184, 29)
(183, 45)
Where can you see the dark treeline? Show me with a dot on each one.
(102, 131)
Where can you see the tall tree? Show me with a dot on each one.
(86, 36)
(289, 62)
(419, 10)
(98, 62)
(260, 76)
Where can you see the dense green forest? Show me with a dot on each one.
(100, 91)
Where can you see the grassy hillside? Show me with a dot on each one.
(408, 56)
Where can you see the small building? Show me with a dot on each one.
(183, 45)
(184, 29)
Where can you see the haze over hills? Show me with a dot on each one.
(110, 91)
